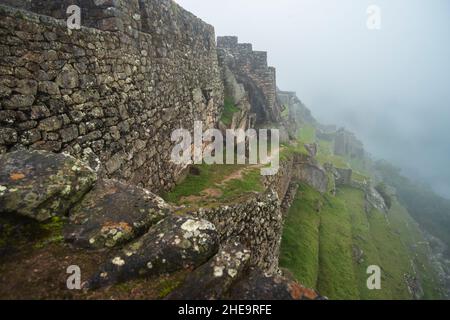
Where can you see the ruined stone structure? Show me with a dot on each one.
(298, 112)
(251, 69)
(346, 144)
(226, 246)
(110, 95)
(236, 94)
(114, 90)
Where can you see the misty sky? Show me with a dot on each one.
(391, 86)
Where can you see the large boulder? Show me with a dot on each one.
(175, 243)
(259, 286)
(374, 198)
(112, 214)
(40, 184)
(212, 280)
(313, 174)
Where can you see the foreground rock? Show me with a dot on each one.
(259, 286)
(112, 214)
(40, 184)
(212, 280)
(173, 244)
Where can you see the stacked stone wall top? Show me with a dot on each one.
(251, 69)
(106, 97)
(157, 17)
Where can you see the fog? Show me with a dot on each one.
(390, 86)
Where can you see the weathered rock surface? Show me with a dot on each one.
(175, 243)
(312, 173)
(312, 149)
(375, 199)
(212, 280)
(40, 184)
(346, 144)
(259, 286)
(358, 254)
(257, 222)
(372, 196)
(251, 69)
(118, 88)
(112, 214)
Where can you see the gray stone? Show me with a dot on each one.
(257, 285)
(40, 185)
(39, 112)
(30, 136)
(51, 124)
(18, 101)
(67, 78)
(68, 134)
(49, 87)
(8, 136)
(112, 214)
(212, 280)
(27, 87)
(175, 243)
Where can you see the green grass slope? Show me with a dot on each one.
(322, 233)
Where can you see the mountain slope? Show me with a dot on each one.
(329, 240)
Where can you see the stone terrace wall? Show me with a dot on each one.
(298, 112)
(112, 95)
(251, 69)
(257, 223)
(346, 144)
(280, 182)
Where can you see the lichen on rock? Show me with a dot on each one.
(213, 279)
(41, 185)
(158, 252)
(112, 214)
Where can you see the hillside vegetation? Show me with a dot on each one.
(323, 235)
(329, 241)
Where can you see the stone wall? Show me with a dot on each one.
(236, 94)
(251, 69)
(256, 223)
(346, 144)
(298, 113)
(306, 169)
(280, 182)
(115, 95)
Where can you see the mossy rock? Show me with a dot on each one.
(41, 185)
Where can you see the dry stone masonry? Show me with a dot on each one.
(108, 97)
(114, 90)
(251, 69)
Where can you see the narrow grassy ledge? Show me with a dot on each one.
(229, 109)
(216, 183)
(358, 177)
(307, 134)
(325, 155)
(288, 150)
(285, 113)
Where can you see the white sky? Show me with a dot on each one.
(392, 86)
